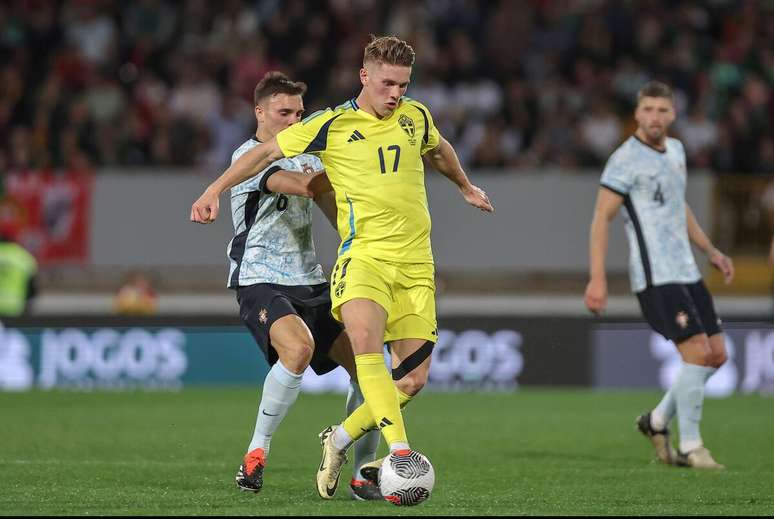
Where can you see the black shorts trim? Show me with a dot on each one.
(679, 311)
(262, 304)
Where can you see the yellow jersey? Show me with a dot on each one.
(375, 167)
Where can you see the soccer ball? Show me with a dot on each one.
(406, 478)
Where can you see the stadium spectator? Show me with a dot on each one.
(136, 296)
(148, 83)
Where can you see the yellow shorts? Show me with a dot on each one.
(405, 290)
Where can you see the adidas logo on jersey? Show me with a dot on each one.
(356, 136)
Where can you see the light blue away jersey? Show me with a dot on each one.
(653, 186)
(273, 242)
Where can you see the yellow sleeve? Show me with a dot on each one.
(307, 136)
(431, 137)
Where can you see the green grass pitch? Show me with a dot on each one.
(532, 452)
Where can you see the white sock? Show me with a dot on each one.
(341, 439)
(280, 391)
(365, 447)
(664, 411)
(689, 397)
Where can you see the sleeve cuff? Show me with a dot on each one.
(613, 189)
(262, 183)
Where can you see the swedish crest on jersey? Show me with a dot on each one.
(407, 125)
(340, 289)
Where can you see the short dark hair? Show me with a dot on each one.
(389, 50)
(655, 89)
(277, 83)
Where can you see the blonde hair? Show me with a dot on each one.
(388, 50)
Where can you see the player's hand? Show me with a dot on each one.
(205, 209)
(476, 197)
(596, 296)
(724, 264)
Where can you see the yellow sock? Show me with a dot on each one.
(361, 420)
(381, 397)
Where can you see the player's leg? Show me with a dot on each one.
(661, 306)
(411, 334)
(410, 370)
(365, 449)
(702, 356)
(287, 343)
(362, 298)
(689, 397)
(364, 321)
(293, 342)
(365, 446)
(718, 355)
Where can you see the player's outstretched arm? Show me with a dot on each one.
(697, 235)
(444, 159)
(299, 184)
(206, 208)
(608, 204)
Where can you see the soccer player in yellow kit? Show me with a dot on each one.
(382, 284)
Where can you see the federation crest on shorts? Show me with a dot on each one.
(263, 316)
(407, 125)
(682, 319)
(340, 289)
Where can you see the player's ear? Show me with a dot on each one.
(363, 76)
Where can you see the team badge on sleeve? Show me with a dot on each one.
(263, 316)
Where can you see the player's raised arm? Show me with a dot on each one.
(206, 208)
(697, 235)
(608, 204)
(444, 159)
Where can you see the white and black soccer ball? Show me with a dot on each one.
(406, 478)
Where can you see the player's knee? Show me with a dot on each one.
(364, 340)
(297, 358)
(718, 358)
(412, 383)
(696, 350)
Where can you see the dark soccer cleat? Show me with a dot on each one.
(365, 490)
(370, 471)
(249, 477)
(660, 439)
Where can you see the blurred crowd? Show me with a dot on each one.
(522, 84)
